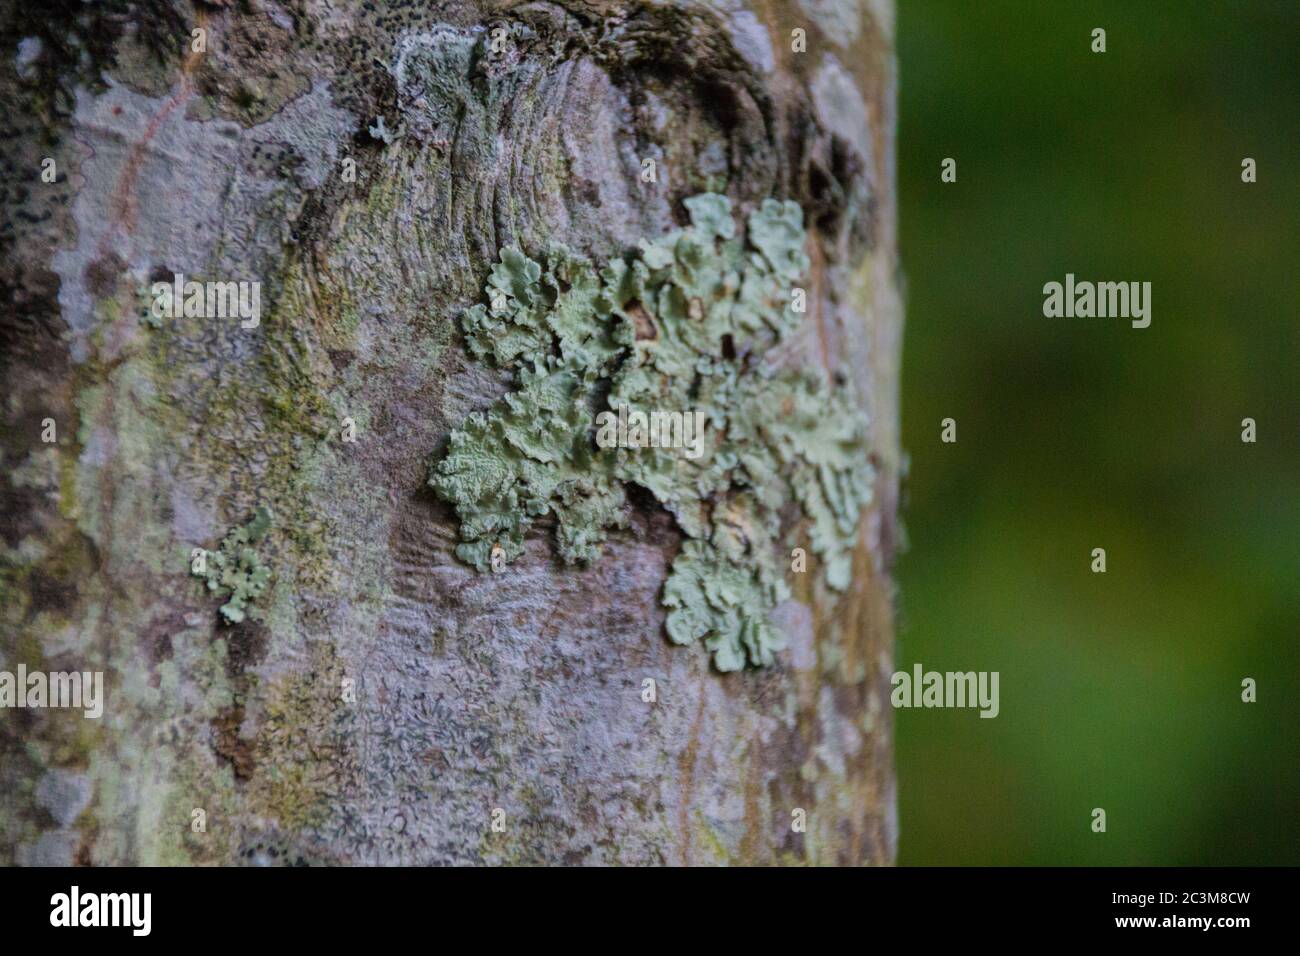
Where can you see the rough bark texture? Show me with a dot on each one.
(522, 690)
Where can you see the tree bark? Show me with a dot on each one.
(390, 698)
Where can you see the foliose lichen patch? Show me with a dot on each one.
(235, 570)
(687, 324)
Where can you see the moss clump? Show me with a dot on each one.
(235, 570)
(685, 325)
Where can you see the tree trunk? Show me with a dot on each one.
(379, 700)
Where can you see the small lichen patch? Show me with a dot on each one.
(686, 325)
(235, 571)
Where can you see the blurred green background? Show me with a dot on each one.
(1118, 690)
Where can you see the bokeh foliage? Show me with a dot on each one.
(1119, 690)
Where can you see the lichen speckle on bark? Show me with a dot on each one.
(690, 326)
(235, 571)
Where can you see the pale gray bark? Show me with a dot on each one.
(519, 691)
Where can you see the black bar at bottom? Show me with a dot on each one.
(334, 906)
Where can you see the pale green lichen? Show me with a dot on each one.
(235, 570)
(686, 324)
(145, 302)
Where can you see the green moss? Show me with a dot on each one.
(686, 325)
(235, 570)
